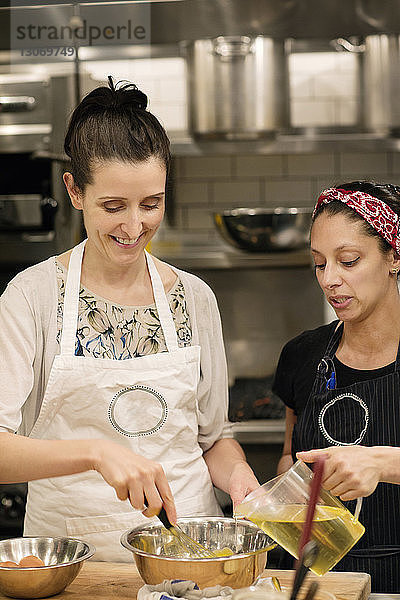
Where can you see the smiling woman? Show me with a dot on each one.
(119, 225)
(112, 364)
(341, 382)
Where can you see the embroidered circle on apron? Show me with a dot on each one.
(350, 403)
(127, 415)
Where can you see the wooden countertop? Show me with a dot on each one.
(101, 580)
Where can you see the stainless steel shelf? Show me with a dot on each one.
(183, 144)
(260, 431)
(193, 259)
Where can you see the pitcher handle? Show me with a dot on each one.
(358, 508)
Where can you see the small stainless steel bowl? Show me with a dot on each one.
(63, 558)
(155, 552)
(265, 229)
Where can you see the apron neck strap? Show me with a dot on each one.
(397, 364)
(71, 300)
(334, 340)
(163, 309)
(71, 303)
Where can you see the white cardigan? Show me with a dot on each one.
(28, 329)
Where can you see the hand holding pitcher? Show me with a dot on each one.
(350, 471)
(279, 507)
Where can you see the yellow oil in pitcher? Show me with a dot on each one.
(334, 529)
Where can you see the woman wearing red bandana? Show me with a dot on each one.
(341, 382)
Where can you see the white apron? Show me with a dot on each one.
(148, 404)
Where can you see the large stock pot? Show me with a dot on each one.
(237, 86)
(382, 83)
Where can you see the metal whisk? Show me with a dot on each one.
(193, 548)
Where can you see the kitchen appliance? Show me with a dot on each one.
(237, 87)
(382, 83)
(27, 210)
(265, 229)
(36, 217)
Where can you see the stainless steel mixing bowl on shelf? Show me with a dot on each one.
(265, 229)
(63, 558)
(157, 555)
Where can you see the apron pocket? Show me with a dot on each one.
(104, 532)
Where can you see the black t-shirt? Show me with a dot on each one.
(298, 364)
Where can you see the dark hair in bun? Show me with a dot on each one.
(113, 123)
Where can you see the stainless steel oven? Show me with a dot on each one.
(36, 220)
(27, 231)
(36, 217)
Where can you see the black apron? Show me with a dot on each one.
(366, 413)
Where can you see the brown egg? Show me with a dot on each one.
(9, 564)
(31, 561)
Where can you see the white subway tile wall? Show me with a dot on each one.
(293, 191)
(373, 162)
(269, 181)
(207, 167)
(236, 193)
(324, 89)
(162, 79)
(258, 166)
(311, 164)
(192, 192)
(312, 113)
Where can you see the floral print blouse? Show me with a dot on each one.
(107, 330)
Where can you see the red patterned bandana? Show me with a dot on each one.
(377, 213)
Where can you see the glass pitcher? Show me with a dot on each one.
(279, 508)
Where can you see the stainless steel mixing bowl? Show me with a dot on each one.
(265, 229)
(155, 552)
(63, 558)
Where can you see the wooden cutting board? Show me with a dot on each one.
(345, 586)
(102, 580)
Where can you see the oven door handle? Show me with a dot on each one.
(15, 104)
(48, 236)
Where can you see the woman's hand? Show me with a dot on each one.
(229, 469)
(134, 477)
(241, 482)
(350, 471)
